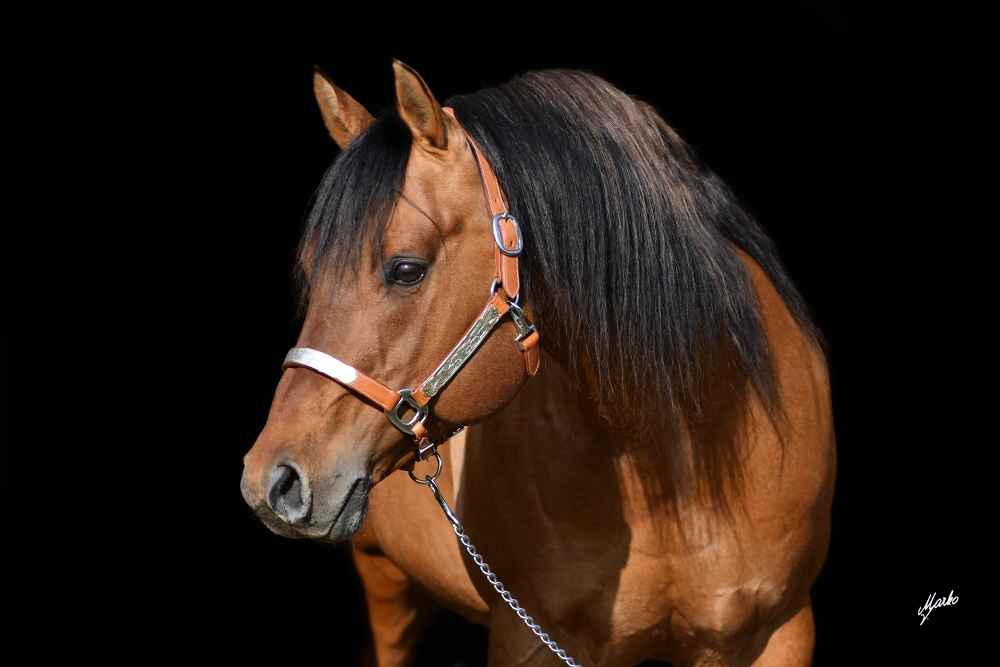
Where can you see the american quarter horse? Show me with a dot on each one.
(648, 457)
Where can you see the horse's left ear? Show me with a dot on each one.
(419, 109)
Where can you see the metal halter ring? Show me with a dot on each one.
(428, 479)
(498, 237)
(493, 292)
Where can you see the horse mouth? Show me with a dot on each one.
(350, 515)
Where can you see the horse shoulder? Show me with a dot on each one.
(801, 441)
(782, 515)
(791, 467)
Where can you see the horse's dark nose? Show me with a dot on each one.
(286, 495)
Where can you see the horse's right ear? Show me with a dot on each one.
(344, 116)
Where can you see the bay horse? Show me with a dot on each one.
(552, 376)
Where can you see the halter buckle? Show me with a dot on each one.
(498, 235)
(406, 401)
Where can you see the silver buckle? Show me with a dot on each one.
(498, 237)
(394, 414)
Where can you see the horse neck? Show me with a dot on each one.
(555, 443)
(662, 451)
(567, 397)
(634, 426)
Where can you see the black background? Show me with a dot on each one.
(830, 134)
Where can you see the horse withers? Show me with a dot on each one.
(647, 462)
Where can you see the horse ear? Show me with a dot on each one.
(418, 108)
(344, 116)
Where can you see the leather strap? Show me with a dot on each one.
(348, 376)
(506, 232)
(508, 246)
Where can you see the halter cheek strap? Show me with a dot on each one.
(506, 232)
(406, 408)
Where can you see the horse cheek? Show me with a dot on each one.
(488, 382)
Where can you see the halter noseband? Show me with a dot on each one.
(503, 300)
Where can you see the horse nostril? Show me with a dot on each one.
(285, 495)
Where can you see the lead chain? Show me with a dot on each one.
(485, 569)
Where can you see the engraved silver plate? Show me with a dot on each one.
(462, 352)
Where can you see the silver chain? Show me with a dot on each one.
(485, 568)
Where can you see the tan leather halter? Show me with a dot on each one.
(503, 300)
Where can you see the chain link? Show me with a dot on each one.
(485, 569)
(510, 599)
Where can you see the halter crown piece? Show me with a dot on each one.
(503, 300)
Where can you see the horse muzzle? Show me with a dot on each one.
(292, 504)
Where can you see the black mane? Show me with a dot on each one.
(629, 238)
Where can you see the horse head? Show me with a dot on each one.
(411, 327)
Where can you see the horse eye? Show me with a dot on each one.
(407, 273)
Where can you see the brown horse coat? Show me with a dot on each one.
(597, 512)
